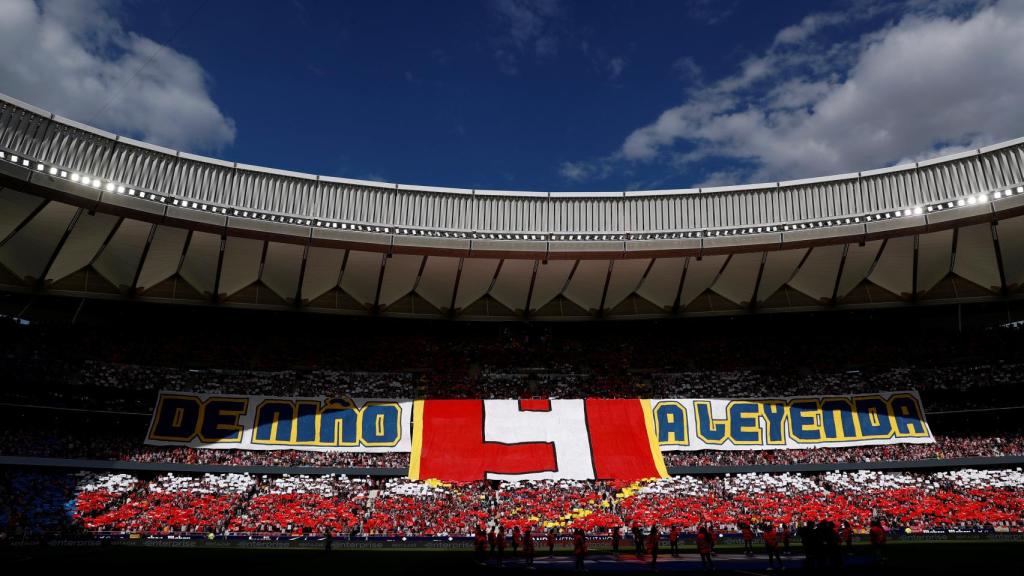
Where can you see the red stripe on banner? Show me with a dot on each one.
(535, 405)
(453, 446)
(618, 440)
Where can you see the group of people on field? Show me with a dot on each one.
(493, 544)
(822, 543)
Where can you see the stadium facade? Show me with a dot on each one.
(87, 213)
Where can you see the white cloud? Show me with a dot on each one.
(808, 27)
(527, 28)
(929, 82)
(76, 59)
(615, 67)
(687, 70)
(585, 170)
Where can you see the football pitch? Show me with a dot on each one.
(942, 556)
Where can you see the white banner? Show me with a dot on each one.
(790, 422)
(274, 423)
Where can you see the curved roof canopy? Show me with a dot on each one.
(86, 212)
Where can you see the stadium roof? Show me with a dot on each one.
(84, 212)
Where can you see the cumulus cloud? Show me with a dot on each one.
(928, 83)
(937, 77)
(76, 59)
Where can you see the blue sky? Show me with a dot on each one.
(531, 94)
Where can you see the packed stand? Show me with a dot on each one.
(244, 505)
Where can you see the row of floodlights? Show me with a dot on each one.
(253, 214)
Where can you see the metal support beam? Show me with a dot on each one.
(41, 281)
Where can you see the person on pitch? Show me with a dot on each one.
(704, 548)
(877, 537)
(579, 548)
(638, 539)
(528, 546)
(500, 541)
(748, 538)
(771, 545)
(653, 542)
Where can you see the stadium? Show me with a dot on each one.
(208, 361)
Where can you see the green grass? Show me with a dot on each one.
(910, 558)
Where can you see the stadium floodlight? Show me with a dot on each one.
(998, 195)
(1020, 189)
(918, 210)
(53, 171)
(972, 200)
(982, 197)
(110, 186)
(960, 202)
(3, 155)
(120, 189)
(14, 158)
(75, 177)
(40, 167)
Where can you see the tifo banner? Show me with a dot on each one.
(791, 422)
(274, 423)
(464, 440)
(593, 438)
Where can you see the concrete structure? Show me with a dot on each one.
(86, 212)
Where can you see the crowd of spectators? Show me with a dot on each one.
(102, 371)
(118, 363)
(133, 388)
(260, 505)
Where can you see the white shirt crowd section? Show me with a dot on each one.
(205, 484)
(327, 486)
(835, 482)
